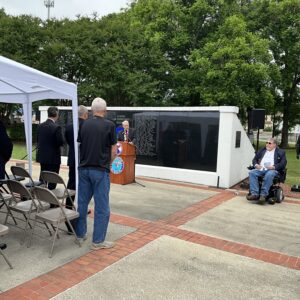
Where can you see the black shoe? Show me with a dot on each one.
(271, 201)
(252, 197)
(3, 246)
(262, 200)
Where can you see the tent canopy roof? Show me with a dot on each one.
(22, 84)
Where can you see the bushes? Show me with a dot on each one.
(17, 132)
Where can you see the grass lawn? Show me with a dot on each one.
(293, 166)
(20, 151)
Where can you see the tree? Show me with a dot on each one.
(279, 21)
(234, 67)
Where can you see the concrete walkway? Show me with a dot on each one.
(173, 241)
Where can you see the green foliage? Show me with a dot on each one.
(279, 21)
(170, 53)
(17, 132)
(234, 67)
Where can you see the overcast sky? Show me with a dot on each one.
(63, 8)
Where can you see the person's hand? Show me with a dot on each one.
(258, 167)
(271, 167)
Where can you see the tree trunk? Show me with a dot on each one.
(285, 124)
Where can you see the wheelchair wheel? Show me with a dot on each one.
(279, 195)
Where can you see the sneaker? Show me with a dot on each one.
(103, 245)
(252, 197)
(262, 200)
(80, 240)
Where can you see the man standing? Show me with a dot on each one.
(49, 141)
(6, 148)
(268, 162)
(83, 114)
(127, 134)
(97, 148)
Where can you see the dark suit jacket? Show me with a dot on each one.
(49, 141)
(279, 159)
(69, 135)
(6, 145)
(6, 148)
(131, 135)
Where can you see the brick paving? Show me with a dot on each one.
(70, 274)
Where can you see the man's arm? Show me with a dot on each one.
(59, 137)
(257, 159)
(280, 166)
(113, 152)
(6, 144)
(132, 136)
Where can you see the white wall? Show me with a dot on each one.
(231, 163)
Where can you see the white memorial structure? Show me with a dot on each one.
(201, 145)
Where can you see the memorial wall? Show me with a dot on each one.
(187, 140)
(202, 145)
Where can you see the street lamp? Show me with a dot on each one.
(48, 4)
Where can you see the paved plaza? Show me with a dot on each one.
(173, 241)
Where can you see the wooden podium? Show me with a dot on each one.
(125, 172)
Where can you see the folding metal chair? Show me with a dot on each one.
(19, 172)
(60, 193)
(4, 198)
(54, 216)
(26, 207)
(3, 231)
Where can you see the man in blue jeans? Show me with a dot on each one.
(268, 162)
(97, 140)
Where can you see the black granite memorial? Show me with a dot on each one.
(175, 139)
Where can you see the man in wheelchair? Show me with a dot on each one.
(268, 163)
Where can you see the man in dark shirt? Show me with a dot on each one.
(97, 148)
(6, 148)
(49, 141)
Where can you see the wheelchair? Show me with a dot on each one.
(275, 192)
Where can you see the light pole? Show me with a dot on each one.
(48, 4)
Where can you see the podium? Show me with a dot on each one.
(122, 170)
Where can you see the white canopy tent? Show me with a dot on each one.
(24, 85)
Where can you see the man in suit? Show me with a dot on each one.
(83, 114)
(127, 134)
(49, 141)
(268, 162)
(6, 148)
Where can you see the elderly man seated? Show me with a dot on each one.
(268, 162)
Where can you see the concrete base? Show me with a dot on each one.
(169, 268)
(273, 227)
